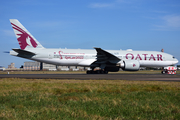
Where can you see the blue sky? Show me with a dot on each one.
(109, 24)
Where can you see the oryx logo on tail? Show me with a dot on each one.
(24, 38)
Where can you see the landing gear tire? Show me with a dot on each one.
(96, 72)
(105, 72)
(88, 72)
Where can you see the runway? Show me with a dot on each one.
(141, 77)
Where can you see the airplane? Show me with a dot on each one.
(106, 60)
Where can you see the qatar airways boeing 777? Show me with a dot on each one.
(106, 60)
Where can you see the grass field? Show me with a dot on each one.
(88, 99)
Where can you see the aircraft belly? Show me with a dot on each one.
(58, 61)
(86, 62)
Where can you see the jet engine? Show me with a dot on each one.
(129, 65)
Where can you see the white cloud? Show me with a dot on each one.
(158, 11)
(101, 5)
(169, 22)
(172, 21)
(48, 23)
(113, 4)
(124, 1)
(9, 33)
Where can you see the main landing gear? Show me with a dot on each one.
(96, 72)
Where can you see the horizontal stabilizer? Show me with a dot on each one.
(25, 52)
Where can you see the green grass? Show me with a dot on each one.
(88, 99)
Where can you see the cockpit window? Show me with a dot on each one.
(173, 57)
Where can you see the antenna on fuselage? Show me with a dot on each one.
(162, 50)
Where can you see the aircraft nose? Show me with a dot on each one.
(176, 61)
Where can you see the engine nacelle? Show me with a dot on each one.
(129, 65)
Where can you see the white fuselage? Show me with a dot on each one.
(85, 57)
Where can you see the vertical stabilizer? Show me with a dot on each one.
(24, 37)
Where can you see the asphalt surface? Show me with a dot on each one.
(142, 77)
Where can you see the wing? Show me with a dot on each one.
(104, 57)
